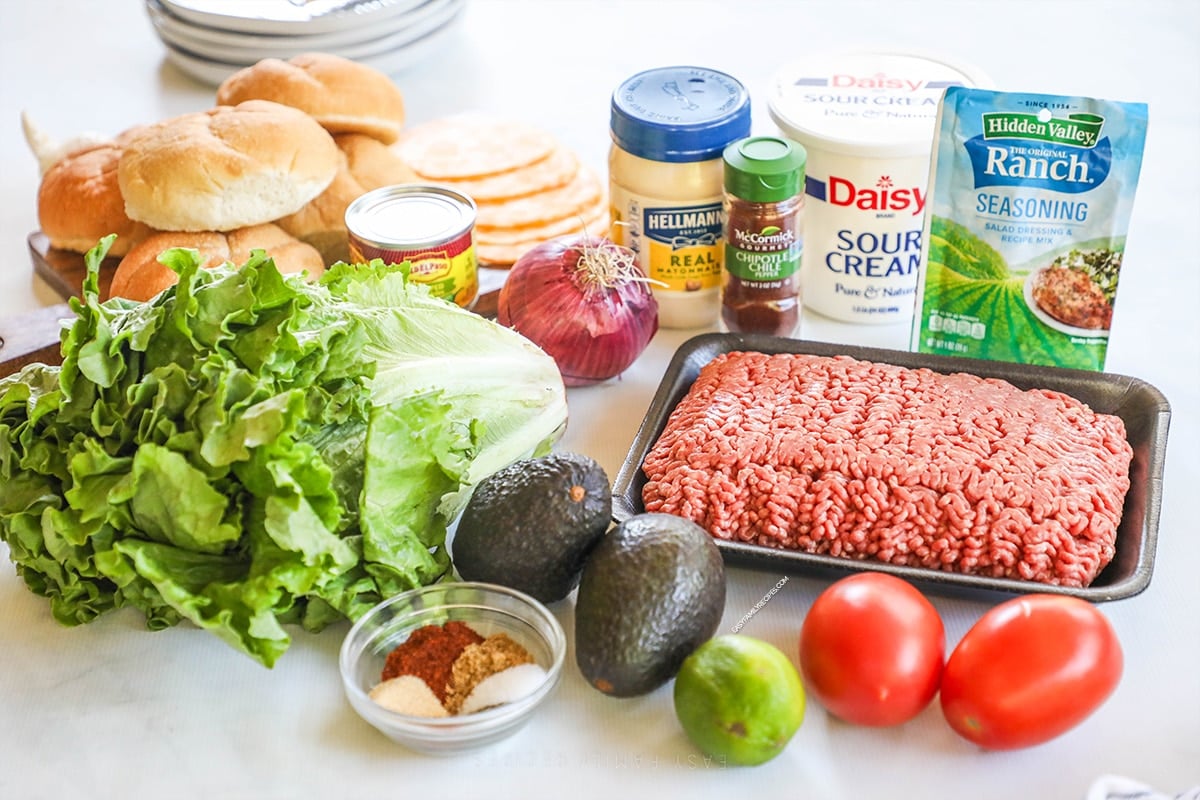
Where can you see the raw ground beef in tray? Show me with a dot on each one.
(873, 461)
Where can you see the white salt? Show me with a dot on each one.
(505, 686)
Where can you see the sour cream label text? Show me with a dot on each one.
(870, 253)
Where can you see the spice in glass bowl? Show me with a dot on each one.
(446, 670)
(408, 694)
(429, 653)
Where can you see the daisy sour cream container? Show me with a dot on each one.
(867, 120)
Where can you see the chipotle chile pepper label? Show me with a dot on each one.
(763, 247)
(765, 254)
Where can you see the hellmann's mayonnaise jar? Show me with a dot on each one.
(669, 128)
(866, 120)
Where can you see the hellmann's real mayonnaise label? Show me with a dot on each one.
(680, 243)
(866, 120)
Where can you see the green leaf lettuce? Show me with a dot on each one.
(248, 450)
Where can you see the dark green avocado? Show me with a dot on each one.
(531, 525)
(652, 591)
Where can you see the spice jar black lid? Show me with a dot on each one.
(764, 169)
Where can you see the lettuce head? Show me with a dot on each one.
(249, 450)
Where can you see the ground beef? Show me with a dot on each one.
(873, 461)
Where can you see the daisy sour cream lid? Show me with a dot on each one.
(866, 103)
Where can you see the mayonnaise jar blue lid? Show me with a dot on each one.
(679, 114)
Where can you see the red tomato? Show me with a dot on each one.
(1029, 670)
(872, 649)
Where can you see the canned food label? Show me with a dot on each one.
(450, 272)
(677, 245)
(427, 226)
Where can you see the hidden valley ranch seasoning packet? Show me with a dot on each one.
(1030, 200)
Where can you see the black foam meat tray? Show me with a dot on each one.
(1143, 408)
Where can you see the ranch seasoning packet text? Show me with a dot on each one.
(1029, 205)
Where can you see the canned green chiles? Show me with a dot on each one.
(431, 227)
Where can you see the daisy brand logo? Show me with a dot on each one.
(882, 196)
(879, 80)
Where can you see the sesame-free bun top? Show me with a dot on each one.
(79, 201)
(225, 168)
(367, 164)
(343, 95)
(140, 275)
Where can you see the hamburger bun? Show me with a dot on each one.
(48, 150)
(366, 164)
(343, 95)
(226, 168)
(140, 275)
(79, 201)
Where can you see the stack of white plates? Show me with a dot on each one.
(212, 39)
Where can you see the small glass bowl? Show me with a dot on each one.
(486, 608)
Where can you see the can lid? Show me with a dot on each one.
(865, 103)
(410, 215)
(679, 114)
(764, 169)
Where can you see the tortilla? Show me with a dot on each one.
(526, 186)
(545, 230)
(553, 171)
(506, 253)
(472, 145)
(582, 192)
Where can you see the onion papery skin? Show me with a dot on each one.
(592, 332)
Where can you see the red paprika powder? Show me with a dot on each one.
(429, 653)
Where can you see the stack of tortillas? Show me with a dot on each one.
(527, 186)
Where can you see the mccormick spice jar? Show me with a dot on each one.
(431, 227)
(669, 127)
(866, 120)
(764, 200)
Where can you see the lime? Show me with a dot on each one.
(739, 699)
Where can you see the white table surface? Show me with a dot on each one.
(111, 710)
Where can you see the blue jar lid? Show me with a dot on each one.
(679, 114)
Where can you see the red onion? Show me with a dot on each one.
(585, 302)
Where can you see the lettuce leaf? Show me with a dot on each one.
(248, 450)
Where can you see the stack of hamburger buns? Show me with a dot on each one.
(360, 107)
(271, 166)
(275, 163)
(79, 200)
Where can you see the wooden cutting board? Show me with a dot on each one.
(31, 337)
(63, 270)
(34, 336)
